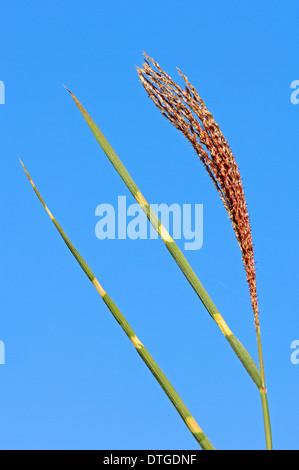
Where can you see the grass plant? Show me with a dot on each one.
(189, 114)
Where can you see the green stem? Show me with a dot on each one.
(263, 390)
(140, 348)
(176, 253)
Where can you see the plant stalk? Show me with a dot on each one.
(174, 397)
(172, 247)
(263, 390)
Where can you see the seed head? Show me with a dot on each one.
(188, 113)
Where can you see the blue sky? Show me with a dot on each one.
(71, 379)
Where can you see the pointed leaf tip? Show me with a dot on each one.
(68, 90)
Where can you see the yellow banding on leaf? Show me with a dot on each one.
(192, 425)
(49, 213)
(140, 199)
(222, 325)
(137, 343)
(98, 287)
(164, 234)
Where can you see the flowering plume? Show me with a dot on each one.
(188, 113)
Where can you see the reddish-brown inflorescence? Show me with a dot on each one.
(188, 113)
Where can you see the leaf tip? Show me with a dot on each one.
(68, 90)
